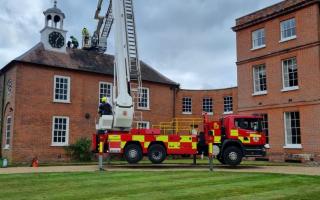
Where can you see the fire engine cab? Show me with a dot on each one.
(230, 139)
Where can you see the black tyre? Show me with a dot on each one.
(133, 153)
(221, 160)
(232, 156)
(157, 154)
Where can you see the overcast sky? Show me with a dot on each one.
(189, 41)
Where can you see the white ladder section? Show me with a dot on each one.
(134, 62)
(107, 24)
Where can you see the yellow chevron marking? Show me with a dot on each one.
(234, 133)
(114, 138)
(163, 138)
(185, 139)
(174, 145)
(139, 138)
(146, 144)
(217, 139)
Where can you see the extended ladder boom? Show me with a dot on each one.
(127, 65)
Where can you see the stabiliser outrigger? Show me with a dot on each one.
(230, 139)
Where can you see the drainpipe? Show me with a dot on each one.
(175, 92)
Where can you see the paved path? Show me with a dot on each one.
(92, 168)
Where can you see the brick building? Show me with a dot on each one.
(278, 48)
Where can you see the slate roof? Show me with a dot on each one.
(83, 60)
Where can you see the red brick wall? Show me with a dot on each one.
(161, 103)
(197, 98)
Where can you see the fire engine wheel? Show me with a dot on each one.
(133, 153)
(157, 153)
(232, 156)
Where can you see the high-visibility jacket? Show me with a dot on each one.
(85, 32)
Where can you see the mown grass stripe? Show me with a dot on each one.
(157, 185)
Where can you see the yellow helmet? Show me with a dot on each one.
(104, 100)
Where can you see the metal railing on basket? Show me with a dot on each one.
(179, 126)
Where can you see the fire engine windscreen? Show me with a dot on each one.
(252, 124)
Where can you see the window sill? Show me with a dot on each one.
(259, 47)
(293, 146)
(228, 113)
(144, 109)
(186, 113)
(59, 101)
(260, 93)
(267, 146)
(290, 89)
(59, 145)
(288, 39)
(209, 113)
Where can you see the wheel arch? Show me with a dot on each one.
(157, 142)
(236, 143)
(133, 142)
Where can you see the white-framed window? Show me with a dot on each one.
(61, 89)
(105, 90)
(8, 132)
(207, 105)
(60, 131)
(228, 104)
(290, 74)
(143, 125)
(288, 29)
(186, 105)
(265, 126)
(258, 39)
(292, 130)
(259, 79)
(144, 101)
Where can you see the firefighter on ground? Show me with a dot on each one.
(104, 107)
(75, 43)
(85, 36)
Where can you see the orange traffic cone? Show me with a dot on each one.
(35, 162)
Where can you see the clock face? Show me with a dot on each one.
(56, 40)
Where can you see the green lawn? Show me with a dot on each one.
(158, 185)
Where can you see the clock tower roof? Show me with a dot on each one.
(54, 10)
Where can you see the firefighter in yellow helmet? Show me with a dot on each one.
(85, 36)
(105, 108)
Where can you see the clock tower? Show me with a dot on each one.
(53, 36)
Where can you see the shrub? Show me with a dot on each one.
(80, 150)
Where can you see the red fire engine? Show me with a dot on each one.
(230, 139)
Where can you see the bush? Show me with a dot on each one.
(81, 150)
